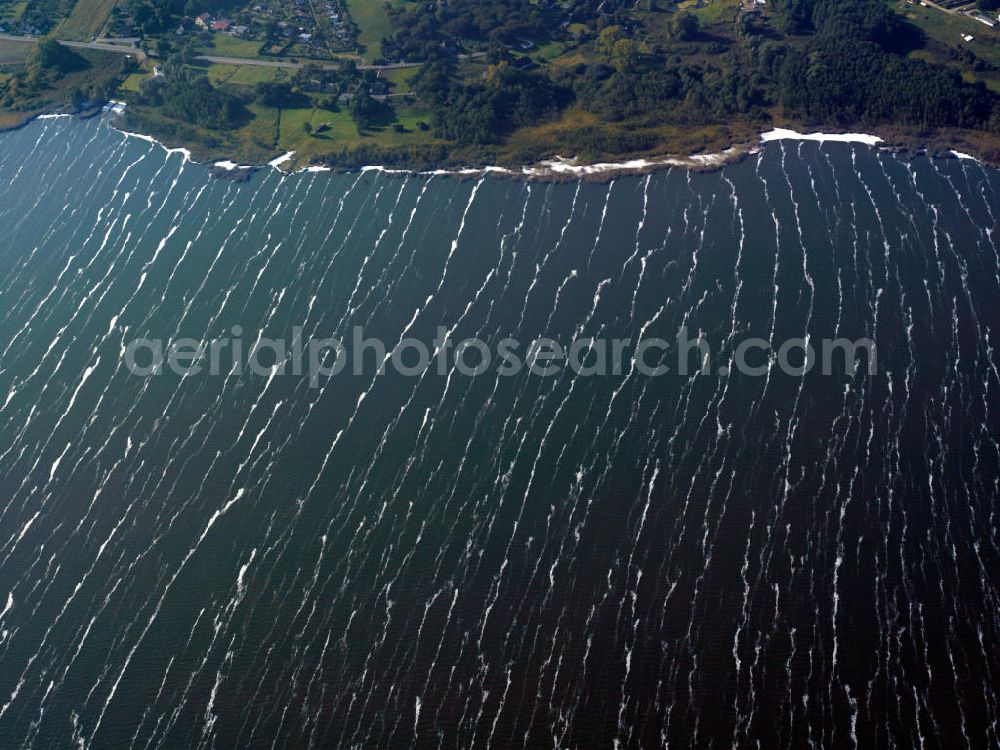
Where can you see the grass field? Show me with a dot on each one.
(14, 53)
(401, 77)
(251, 75)
(370, 17)
(338, 130)
(218, 73)
(951, 28)
(86, 20)
(231, 46)
(712, 11)
(132, 82)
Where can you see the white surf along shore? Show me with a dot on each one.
(557, 167)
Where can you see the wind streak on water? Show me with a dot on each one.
(243, 561)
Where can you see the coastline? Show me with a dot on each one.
(554, 169)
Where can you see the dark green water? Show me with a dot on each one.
(454, 561)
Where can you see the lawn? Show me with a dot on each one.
(339, 131)
(401, 78)
(133, 81)
(220, 73)
(240, 75)
(370, 17)
(86, 20)
(224, 45)
(251, 75)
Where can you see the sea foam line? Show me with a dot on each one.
(783, 134)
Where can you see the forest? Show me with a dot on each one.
(840, 64)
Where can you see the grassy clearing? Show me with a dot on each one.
(218, 73)
(951, 28)
(14, 53)
(133, 82)
(401, 78)
(230, 46)
(371, 19)
(549, 52)
(339, 132)
(86, 20)
(251, 75)
(712, 11)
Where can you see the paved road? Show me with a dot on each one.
(261, 63)
(297, 65)
(130, 49)
(120, 49)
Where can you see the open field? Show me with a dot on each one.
(951, 28)
(370, 17)
(251, 75)
(13, 53)
(711, 11)
(401, 78)
(241, 75)
(230, 46)
(86, 20)
(340, 132)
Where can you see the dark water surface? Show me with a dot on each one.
(447, 561)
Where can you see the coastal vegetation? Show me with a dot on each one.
(517, 80)
(55, 77)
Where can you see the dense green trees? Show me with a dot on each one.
(839, 63)
(685, 26)
(851, 71)
(427, 30)
(366, 111)
(190, 98)
(483, 111)
(51, 58)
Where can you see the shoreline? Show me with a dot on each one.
(554, 169)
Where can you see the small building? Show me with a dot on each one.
(221, 25)
(983, 18)
(203, 21)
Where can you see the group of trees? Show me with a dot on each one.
(57, 75)
(842, 62)
(189, 97)
(485, 110)
(366, 111)
(48, 62)
(853, 69)
(145, 16)
(428, 30)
